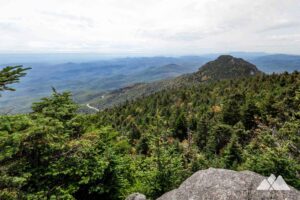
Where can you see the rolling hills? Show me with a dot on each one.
(89, 79)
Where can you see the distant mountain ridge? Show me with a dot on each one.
(277, 63)
(91, 78)
(224, 67)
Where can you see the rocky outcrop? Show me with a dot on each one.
(136, 196)
(218, 184)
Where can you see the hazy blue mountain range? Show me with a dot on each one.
(277, 63)
(88, 77)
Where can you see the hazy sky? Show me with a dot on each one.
(150, 26)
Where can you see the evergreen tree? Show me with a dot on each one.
(180, 129)
(59, 106)
(232, 155)
(219, 136)
(231, 113)
(202, 133)
(249, 116)
(10, 75)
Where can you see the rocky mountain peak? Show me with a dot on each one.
(227, 67)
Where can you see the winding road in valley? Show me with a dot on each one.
(91, 107)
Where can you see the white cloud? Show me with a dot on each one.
(149, 26)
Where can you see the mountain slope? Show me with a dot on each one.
(227, 67)
(246, 123)
(224, 67)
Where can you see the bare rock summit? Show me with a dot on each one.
(222, 184)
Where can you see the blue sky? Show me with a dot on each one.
(149, 27)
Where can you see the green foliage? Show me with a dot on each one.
(222, 122)
(231, 112)
(10, 75)
(47, 154)
(180, 129)
(232, 155)
(250, 112)
(58, 106)
(151, 145)
(219, 137)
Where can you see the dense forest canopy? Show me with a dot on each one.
(152, 144)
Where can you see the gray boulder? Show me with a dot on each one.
(136, 196)
(221, 184)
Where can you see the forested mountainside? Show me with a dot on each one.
(224, 67)
(152, 144)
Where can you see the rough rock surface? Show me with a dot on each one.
(136, 196)
(221, 184)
